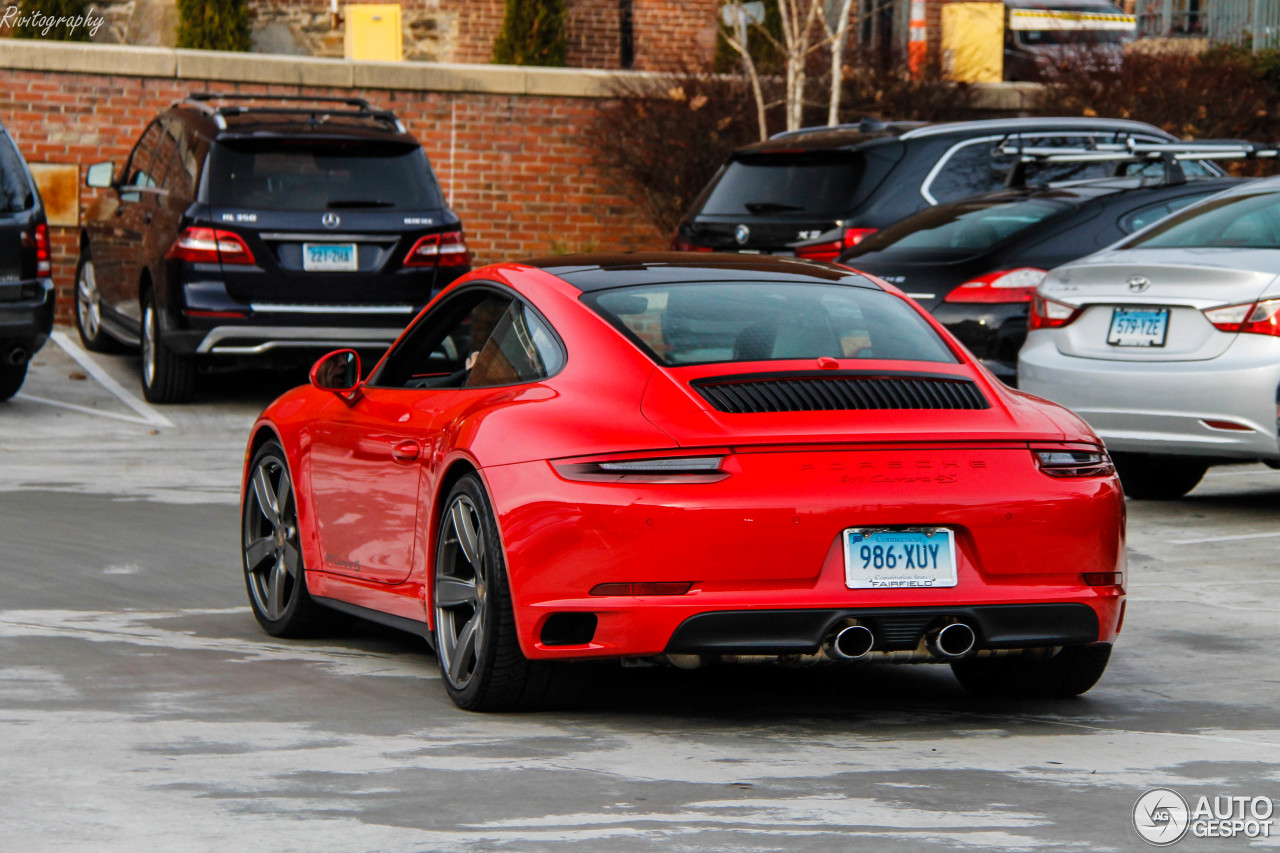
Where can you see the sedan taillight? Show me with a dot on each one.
(1068, 462)
(1050, 314)
(446, 250)
(209, 246)
(1253, 318)
(1016, 285)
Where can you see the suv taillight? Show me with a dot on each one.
(209, 246)
(829, 251)
(1252, 318)
(680, 244)
(446, 250)
(44, 258)
(1017, 285)
(1050, 314)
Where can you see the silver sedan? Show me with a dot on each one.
(1168, 343)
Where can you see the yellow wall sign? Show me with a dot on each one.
(59, 185)
(973, 42)
(373, 32)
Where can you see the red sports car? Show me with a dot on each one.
(686, 458)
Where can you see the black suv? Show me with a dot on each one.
(26, 291)
(818, 191)
(262, 228)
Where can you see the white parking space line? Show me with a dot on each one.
(1236, 538)
(85, 409)
(148, 414)
(1253, 472)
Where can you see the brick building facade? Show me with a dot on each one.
(517, 167)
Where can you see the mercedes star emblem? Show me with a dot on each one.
(331, 220)
(741, 234)
(1138, 283)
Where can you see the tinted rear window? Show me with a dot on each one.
(719, 322)
(15, 195)
(962, 229)
(283, 175)
(1247, 221)
(820, 183)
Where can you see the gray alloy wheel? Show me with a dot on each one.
(166, 376)
(89, 309)
(273, 566)
(481, 663)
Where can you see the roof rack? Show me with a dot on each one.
(865, 125)
(360, 108)
(1130, 151)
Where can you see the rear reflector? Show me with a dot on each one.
(643, 588)
(1231, 425)
(1103, 578)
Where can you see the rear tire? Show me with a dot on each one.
(166, 376)
(1158, 478)
(11, 378)
(481, 663)
(1072, 671)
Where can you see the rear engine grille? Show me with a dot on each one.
(828, 392)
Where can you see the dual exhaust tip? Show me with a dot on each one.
(949, 642)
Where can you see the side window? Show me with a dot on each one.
(1144, 216)
(174, 169)
(138, 171)
(969, 170)
(521, 349)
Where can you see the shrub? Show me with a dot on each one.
(213, 24)
(1225, 92)
(533, 33)
(54, 9)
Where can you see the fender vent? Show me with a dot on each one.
(828, 392)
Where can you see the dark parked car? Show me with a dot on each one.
(262, 228)
(26, 290)
(815, 192)
(975, 264)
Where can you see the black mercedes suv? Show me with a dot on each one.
(816, 192)
(26, 290)
(261, 228)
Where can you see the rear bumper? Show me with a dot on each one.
(251, 340)
(27, 321)
(763, 551)
(1162, 407)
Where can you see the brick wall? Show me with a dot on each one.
(674, 35)
(522, 176)
(594, 34)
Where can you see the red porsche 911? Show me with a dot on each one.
(684, 459)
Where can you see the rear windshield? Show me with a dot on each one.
(1247, 221)
(961, 229)
(283, 175)
(708, 323)
(817, 183)
(15, 195)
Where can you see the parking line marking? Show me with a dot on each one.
(1241, 473)
(1224, 538)
(85, 409)
(104, 379)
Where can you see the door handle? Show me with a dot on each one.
(405, 451)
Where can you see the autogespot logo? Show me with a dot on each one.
(1161, 816)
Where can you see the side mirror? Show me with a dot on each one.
(99, 175)
(338, 372)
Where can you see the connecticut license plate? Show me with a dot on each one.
(887, 559)
(329, 257)
(1138, 327)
